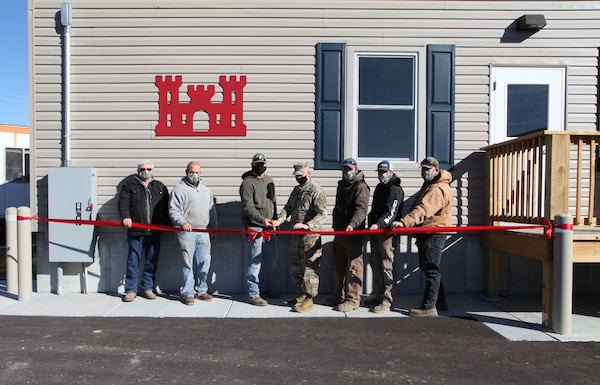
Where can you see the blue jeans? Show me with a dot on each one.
(195, 252)
(259, 252)
(150, 245)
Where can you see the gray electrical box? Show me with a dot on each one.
(72, 193)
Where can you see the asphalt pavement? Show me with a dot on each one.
(98, 339)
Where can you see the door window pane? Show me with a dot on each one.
(527, 108)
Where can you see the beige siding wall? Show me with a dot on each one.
(119, 46)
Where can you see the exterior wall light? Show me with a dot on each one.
(531, 22)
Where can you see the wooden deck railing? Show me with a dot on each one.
(544, 174)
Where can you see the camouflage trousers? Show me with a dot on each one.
(305, 259)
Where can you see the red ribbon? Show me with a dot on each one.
(564, 226)
(544, 224)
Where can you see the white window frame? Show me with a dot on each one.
(351, 134)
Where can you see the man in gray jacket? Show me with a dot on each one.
(192, 206)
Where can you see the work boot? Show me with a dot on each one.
(129, 297)
(381, 308)
(423, 312)
(188, 300)
(148, 294)
(304, 306)
(257, 301)
(204, 297)
(296, 301)
(346, 306)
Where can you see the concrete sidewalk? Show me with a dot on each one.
(516, 319)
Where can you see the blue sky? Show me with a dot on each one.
(14, 70)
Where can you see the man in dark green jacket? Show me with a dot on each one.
(257, 193)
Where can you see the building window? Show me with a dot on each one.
(17, 164)
(384, 103)
(385, 107)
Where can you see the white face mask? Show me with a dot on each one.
(384, 177)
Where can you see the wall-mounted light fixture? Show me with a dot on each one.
(65, 14)
(531, 22)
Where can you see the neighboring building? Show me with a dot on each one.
(14, 173)
(317, 81)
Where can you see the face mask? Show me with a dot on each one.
(193, 178)
(348, 176)
(384, 178)
(301, 180)
(259, 168)
(145, 175)
(427, 174)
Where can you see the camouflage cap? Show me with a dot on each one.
(300, 168)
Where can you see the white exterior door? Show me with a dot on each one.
(526, 99)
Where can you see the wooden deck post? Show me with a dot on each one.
(557, 175)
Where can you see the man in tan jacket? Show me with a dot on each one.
(432, 207)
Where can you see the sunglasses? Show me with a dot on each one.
(145, 169)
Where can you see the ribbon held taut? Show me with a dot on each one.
(266, 233)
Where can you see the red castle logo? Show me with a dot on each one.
(176, 118)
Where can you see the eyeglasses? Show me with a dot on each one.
(145, 169)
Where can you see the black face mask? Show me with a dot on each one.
(259, 168)
(301, 180)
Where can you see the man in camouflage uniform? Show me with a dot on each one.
(306, 209)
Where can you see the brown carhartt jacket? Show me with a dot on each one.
(432, 205)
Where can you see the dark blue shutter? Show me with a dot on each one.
(329, 105)
(440, 103)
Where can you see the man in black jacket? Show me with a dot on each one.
(143, 199)
(387, 207)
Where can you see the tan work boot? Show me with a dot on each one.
(304, 306)
(129, 297)
(149, 294)
(296, 301)
(346, 306)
